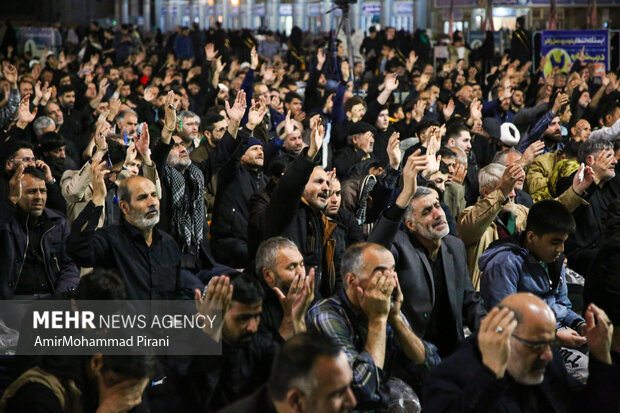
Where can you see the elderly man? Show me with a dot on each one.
(496, 215)
(311, 374)
(365, 319)
(512, 365)
(582, 246)
(147, 259)
(431, 266)
(34, 259)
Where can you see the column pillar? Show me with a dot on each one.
(299, 14)
(326, 18)
(146, 11)
(272, 14)
(386, 13)
(248, 14)
(125, 11)
(226, 14)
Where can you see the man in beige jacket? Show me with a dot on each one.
(495, 215)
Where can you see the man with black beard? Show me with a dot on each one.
(549, 127)
(209, 383)
(53, 151)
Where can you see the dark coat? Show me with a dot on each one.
(235, 185)
(289, 216)
(462, 383)
(256, 402)
(416, 276)
(62, 273)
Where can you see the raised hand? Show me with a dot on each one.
(24, 115)
(414, 165)
(10, 73)
(512, 174)
(238, 109)
(257, 112)
(115, 106)
(254, 59)
(579, 186)
(97, 179)
(411, 60)
(289, 124)
(494, 339)
(143, 143)
(532, 151)
(210, 52)
(216, 296)
(393, 150)
(121, 397)
(170, 118)
(570, 338)
(418, 110)
(320, 58)
(345, 70)
(448, 110)
(460, 172)
(391, 82)
(475, 109)
(599, 332)
(219, 66)
(560, 100)
(316, 140)
(15, 184)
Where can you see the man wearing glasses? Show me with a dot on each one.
(512, 365)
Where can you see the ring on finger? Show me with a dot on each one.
(499, 329)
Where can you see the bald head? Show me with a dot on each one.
(529, 309)
(532, 340)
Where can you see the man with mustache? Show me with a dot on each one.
(512, 365)
(439, 298)
(295, 212)
(147, 259)
(34, 258)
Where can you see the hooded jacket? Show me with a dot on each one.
(507, 267)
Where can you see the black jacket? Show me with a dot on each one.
(462, 383)
(416, 276)
(150, 273)
(256, 402)
(289, 216)
(347, 233)
(590, 219)
(603, 280)
(236, 183)
(212, 382)
(62, 273)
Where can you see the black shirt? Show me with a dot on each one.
(150, 272)
(33, 278)
(438, 331)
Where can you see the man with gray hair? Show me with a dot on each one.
(583, 244)
(42, 125)
(127, 125)
(188, 125)
(365, 319)
(497, 215)
(280, 268)
(439, 298)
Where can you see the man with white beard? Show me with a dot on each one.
(147, 259)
